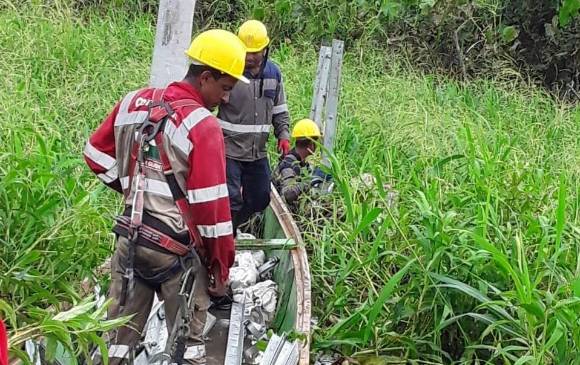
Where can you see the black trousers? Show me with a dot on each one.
(248, 187)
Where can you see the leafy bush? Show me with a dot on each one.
(466, 38)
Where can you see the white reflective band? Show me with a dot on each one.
(270, 84)
(130, 118)
(157, 187)
(207, 194)
(280, 109)
(244, 128)
(124, 182)
(195, 117)
(126, 118)
(194, 352)
(218, 230)
(178, 137)
(119, 351)
(109, 176)
(126, 102)
(99, 157)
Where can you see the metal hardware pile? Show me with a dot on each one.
(254, 307)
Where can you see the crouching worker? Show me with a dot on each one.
(294, 175)
(164, 150)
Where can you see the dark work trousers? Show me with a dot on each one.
(248, 187)
(124, 339)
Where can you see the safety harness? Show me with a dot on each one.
(137, 233)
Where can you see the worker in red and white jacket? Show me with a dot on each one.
(192, 141)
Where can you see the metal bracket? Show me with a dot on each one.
(265, 271)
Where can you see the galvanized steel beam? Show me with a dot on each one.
(331, 120)
(321, 85)
(236, 334)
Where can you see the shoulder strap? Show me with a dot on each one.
(182, 103)
(178, 195)
(153, 112)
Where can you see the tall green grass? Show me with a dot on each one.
(476, 261)
(61, 76)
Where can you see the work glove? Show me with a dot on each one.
(283, 146)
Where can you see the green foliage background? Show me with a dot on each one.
(534, 40)
(474, 261)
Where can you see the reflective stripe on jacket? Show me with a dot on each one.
(195, 147)
(251, 113)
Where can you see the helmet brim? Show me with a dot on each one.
(254, 50)
(307, 137)
(258, 49)
(241, 78)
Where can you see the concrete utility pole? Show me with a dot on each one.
(172, 39)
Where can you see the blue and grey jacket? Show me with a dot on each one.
(251, 113)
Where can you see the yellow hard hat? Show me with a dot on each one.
(306, 128)
(254, 35)
(220, 49)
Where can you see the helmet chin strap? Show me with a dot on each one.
(261, 73)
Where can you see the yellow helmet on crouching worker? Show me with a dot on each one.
(221, 50)
(254, 35)
(306, 128)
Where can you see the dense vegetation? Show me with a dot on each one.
(464, 250)
(511, 39)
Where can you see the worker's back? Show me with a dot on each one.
(159, 206)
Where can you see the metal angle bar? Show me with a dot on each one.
(294, 354)
(288, 354)
(235, 346)
(172, 38)
(321, 55)
(273, 350)
(156, 334)
(331, 121)
(321, 91)
(266, 245)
